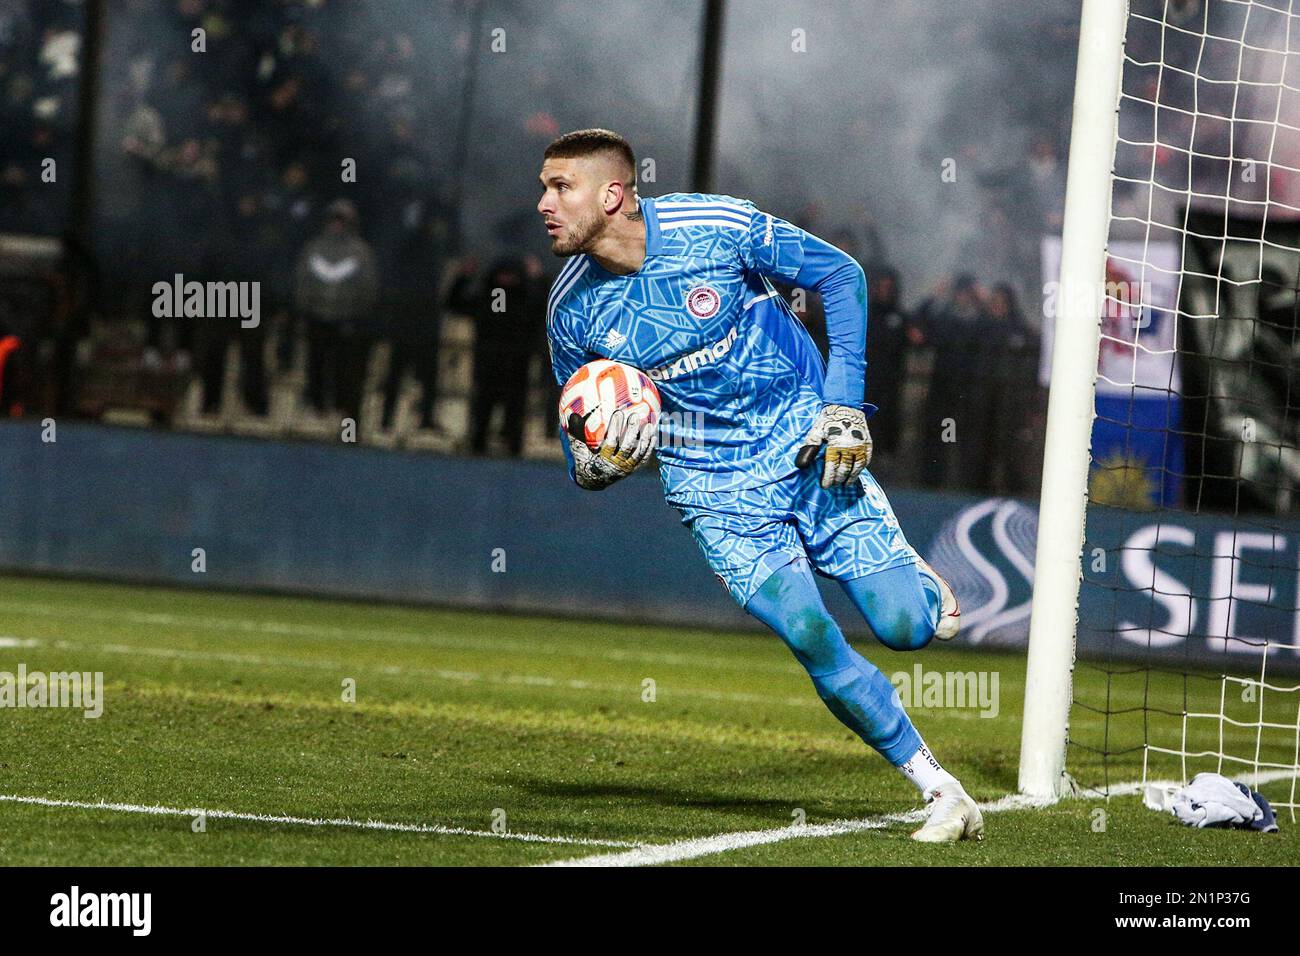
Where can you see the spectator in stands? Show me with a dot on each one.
(416, 239)
(210, 338)
(953, 323)
(39, 76)
(508, 308)
(1017, 406)
(983, 414)
(890, 336)
(415, 330)
(335, 289)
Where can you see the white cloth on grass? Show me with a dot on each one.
(1211, 799)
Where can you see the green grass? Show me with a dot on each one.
(234, 702)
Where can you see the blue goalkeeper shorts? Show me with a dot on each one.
(746, 535)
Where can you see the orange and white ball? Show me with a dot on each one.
(603, 387)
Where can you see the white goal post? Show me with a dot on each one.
(1058, 559)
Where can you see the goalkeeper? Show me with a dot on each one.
(766, 460)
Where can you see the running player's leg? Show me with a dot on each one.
(753, 547)
(853, 536)
(851, 686)
(901, 604)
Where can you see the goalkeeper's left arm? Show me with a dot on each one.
(775, 247)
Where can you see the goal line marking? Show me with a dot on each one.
(651, 854)
(657, 854)
(310, 821)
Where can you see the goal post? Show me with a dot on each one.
(1070, 411)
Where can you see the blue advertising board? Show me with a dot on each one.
(356, 522)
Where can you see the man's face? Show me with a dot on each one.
(571, 204)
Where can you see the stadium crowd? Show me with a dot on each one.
(227, 166)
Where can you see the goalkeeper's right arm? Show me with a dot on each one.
(627, 445)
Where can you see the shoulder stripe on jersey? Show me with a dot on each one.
(723, 223)
(561, 279)
(561, 283)
(703, 214)
(701, 204)
(687, 211)
(569, 284)
(673, 209)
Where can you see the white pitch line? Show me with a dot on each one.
(310, 821)
(656, 854)
(651, 854)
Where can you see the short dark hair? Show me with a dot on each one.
(588, 142)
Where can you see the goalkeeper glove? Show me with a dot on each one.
(843, 430)
(627, 445)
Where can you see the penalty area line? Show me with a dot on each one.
(433, 828)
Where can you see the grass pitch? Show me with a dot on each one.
(506, 740)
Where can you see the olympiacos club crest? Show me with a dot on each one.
(703, 302)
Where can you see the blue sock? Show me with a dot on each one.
(850, 685)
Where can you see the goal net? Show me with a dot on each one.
(1188, 635)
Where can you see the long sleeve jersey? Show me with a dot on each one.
(740, 378)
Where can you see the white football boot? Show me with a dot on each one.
(953, 816)
(949, 611)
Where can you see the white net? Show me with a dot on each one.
(1189, 623)
(1226, 731)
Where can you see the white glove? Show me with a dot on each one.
(843, 430)
(626, 446)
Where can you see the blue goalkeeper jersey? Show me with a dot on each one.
(740, 377)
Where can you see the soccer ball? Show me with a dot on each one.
(599, 389)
